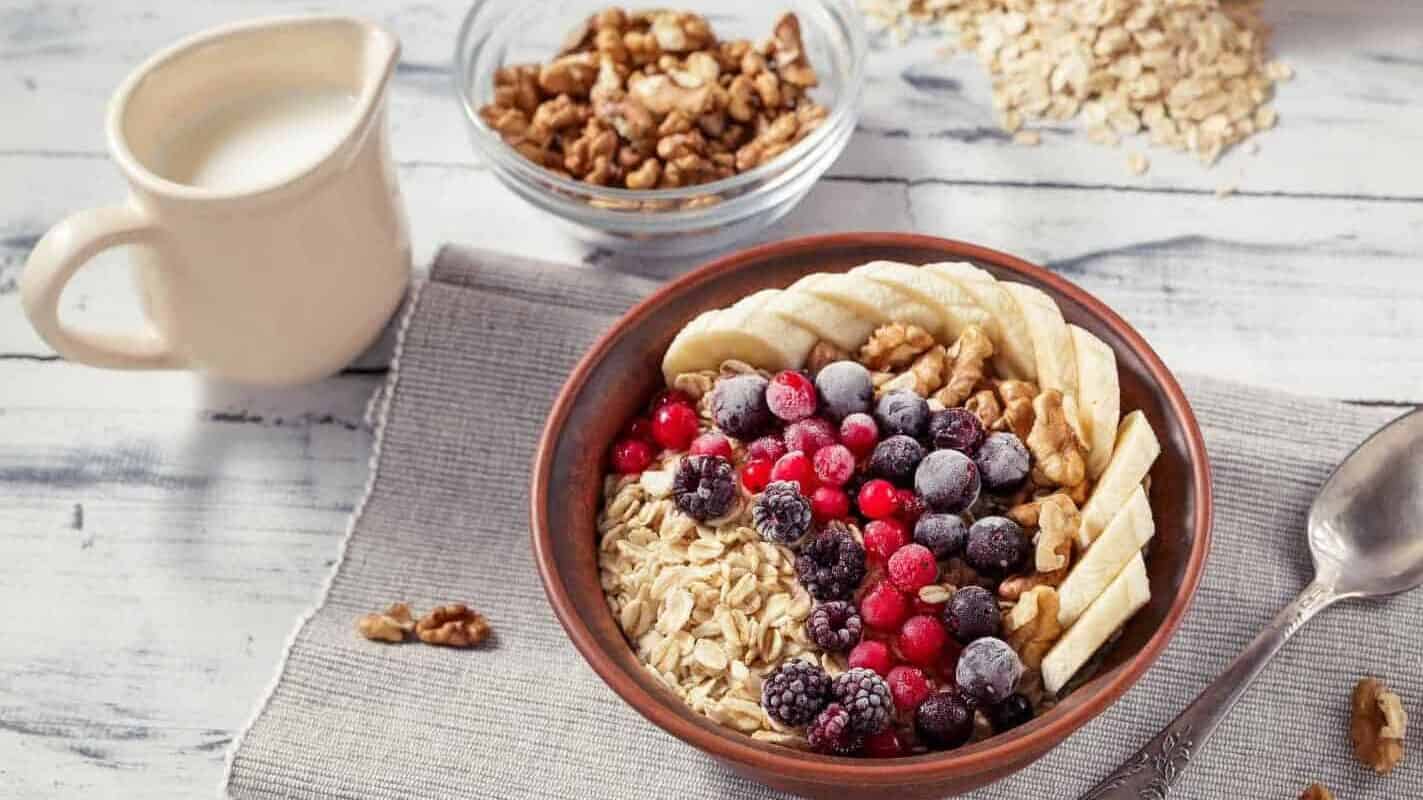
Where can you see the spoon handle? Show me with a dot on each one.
(1149, 774)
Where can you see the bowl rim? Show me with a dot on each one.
(744, 750)
(500, 154)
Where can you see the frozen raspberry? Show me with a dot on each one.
(704, 486)
(739, 406)
(834, 626)
(948, 481)
(711, 444)
(795, 467)
(867, 697)
(832, 565)
(770, 448)
(791, 396)
(1011, 713)
(674, 426)
(631, 456)
(845, 388)
(809, 435)
(873, 655)
(896, 458)
(829, 503)
(972, 613)
(988, 671)
(834, 464)
(996, 546)
(944, 721)
(878, 499)
(884, 607)
(902, 412)
(795, 692)
(943, 534)
(639, 428)
(911, 506)
(883, 537)
(956, 429)
(884, 744)
(1003, 463)
(781, 514)
(832, 732)
(921, 640)
(909, 686)
(859, 433)
(756, 475)
(913, 567)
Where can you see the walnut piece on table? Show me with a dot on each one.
(1317, 791)
(1378, 725)
(454, 625)
(391, 625)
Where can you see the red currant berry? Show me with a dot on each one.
(631, 456)
(756, 474)
(674, 425)
(922, 640)
(809, 435)
(834, 464)
(883, 537)
(879, 499)
(859, 433)
(911, 506)
(711, 444)
(791, 396)
(884, 607)
(671, 397)
(870, 654)
(912, 568)
(795, 467)
(769, 448)
(909, 686)
(884, 744)
(828, 503)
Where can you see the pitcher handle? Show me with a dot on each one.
(66, 248)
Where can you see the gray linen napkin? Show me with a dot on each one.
(489, 341)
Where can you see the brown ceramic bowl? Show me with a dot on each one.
(618, 375)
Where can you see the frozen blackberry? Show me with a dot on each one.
(795, 692)
(831, 732)
(704, 487)
(943, 534)
(1011, 713)
(867, 697)
(832, 565)
(835, 626)
(988, 671)
(996, 545)
(896, 458)
(956, 429)
(739, 406)
(944, 721)
(781, 514)
(902, 412)
(947, 480)
(1003, 463)
(972, 613)
(845, 388)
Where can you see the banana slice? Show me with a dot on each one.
(744, 333)
(1013, 349)
(1135, 450)
(685, 352)
(1124, 596)
(1052, 344)
(1098, 397)
(956, 307)
(874, 301)
(834, 323)
(1128, 532)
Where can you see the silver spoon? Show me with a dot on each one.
(1366, 539)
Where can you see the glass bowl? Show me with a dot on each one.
(664, 222)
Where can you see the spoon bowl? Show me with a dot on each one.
(1366, 525)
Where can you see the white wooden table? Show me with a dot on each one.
(160, 534)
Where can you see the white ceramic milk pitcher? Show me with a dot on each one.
(272, 243)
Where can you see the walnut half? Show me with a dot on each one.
(1317, 791)
(454, 625)
(1378, 725)
(391, 625)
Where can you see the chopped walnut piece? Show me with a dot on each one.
(454, 625)
(969, 354)
(1057, 454)
(1032, 625)
(1317, 791)
(390, 625)
(1013, 588)
(984, 404)
(895, 345)
(822, 355)
(1018, 415)
(923, 376)
(1058, 521)
(1378, 726)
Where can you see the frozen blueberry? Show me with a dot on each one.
(972, 613)
(956, 429)
(1003, 462)
(896, 458)
(996, 545)
(947, 480)
(944, 534)
(739, 406)
(988, 670)
(845, 388)
(902, 412)
(944, 721)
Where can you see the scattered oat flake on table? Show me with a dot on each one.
(1137, 163)
(1225, 190)
(1029, 138)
